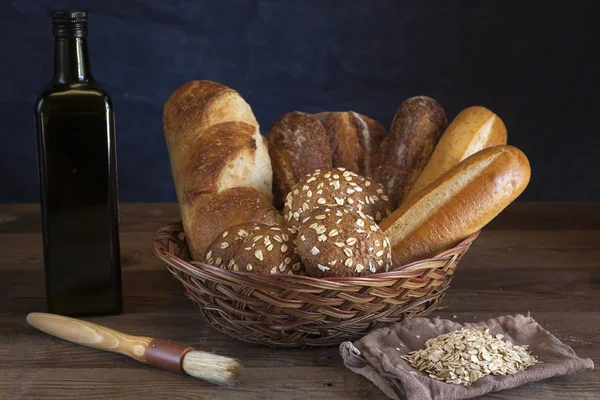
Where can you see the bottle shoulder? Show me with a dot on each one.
(72, 97)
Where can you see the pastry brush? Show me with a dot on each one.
(155, 352)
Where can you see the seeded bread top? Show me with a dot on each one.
(339, 241)
(256, 248)
(336, 187)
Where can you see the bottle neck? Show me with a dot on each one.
(71, 61)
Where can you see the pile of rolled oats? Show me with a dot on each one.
(466, 355)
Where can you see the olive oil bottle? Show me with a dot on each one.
(78, 180)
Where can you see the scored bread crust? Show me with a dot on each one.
(457, 204)
(219, 161)
(297, 146)
(339, 241)
(204, 110)
(223, 156)
(354, 140)
(208, 215)
(416, 128)
(473, 129)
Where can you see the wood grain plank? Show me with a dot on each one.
(541, 258)
(145, 217)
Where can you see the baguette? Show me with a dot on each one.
(457, 204)
(298, 147)
(473, 129)
(415, 130)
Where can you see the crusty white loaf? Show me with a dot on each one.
(457, 204)
(473, 129)
(219, 161)
(214, 141)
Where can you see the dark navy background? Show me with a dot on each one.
(535, 63)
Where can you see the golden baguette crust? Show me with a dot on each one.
(457, 204)
(416, 128)
(473, 129)
(209, 215)
(354, 140)
(297, 147)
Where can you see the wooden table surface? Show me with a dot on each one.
(541, 258)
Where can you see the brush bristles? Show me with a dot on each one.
(212, 368)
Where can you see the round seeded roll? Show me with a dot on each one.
(259, 248)
(268, 250)
(339, 241)
(221, 250)
(336, 187)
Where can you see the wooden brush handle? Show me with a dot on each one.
(90, 335)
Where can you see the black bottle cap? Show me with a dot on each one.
(69, 23)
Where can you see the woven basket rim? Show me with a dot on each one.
(341, 281)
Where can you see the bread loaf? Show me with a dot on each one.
(473, 129)
(219, 161)
(196, 111)
(415, 130)
(207, 216)
(354, 140)
(336, 187)
(339, 241)
(298, 146)
(457, 204)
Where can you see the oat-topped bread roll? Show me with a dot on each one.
(415, 131)
(258, 248)
(297, 146)
(221, 250)
(269, 250)
(339, 241)
(354, 140)
(219, 161)
(336, 187)
(207, 216)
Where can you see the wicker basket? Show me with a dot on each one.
(296, 311)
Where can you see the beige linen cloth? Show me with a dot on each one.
(377, 357)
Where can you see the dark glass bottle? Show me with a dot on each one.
(78, 180)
